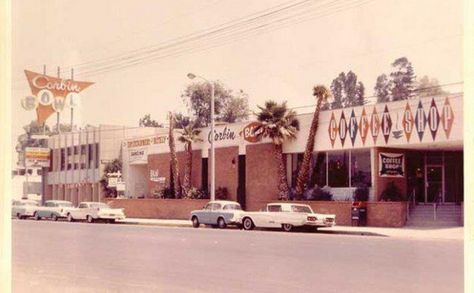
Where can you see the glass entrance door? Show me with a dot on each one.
(434, 183)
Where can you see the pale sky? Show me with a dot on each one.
(282, 64)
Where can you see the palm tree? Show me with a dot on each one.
(174, 183)
(189, 134)
(321, 93)
(279, 124)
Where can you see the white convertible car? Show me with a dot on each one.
(286, 216)
(93, 211)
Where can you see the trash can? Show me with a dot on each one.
(359, 214)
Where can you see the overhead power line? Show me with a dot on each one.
(220, 40)
(279, 16)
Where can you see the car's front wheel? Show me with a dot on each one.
(70, 218)
(287, 227)
(54, 217)
(89, 219)
(36, 216)
(221, 223)
(247, 224)
(19, 216)
(195, 221)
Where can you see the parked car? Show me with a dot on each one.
(219, 213)
(286, 216)
(53, 209)
(93, 211)
(23, 209)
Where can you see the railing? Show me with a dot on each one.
(411, 202)
(436, 203)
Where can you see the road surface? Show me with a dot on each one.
(79, 257)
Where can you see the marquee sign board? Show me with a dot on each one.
(38, 157)
(50, 94)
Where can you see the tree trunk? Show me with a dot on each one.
(174, 160)
(283, 189)
(187, 170)
(308, 154)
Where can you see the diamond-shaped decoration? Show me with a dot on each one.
(374, 125)
(447, 117)
(342, 128)
(332, 129)
(353, 127)
(407, 122)
(397, 133)
(420, 121)
(433, 119)
(386, 124)
(363, 126)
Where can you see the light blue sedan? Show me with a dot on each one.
(219, 213)
(53, 209)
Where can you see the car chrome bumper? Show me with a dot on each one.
(320, 223)
(111, 217)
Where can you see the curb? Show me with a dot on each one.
(189, 225)
(156, 224)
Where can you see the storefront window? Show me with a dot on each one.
(360, 168)
(76, 158)
(318, 170)
(63, 159)
(338, 171)
(69, 158)
(97, 155)
(296, 160)
(83, 157)
(91, 156)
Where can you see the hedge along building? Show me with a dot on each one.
(417, 144)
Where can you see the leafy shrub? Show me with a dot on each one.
(166, 192)
(361, 193)
(391, 193)
(221, 193)
(319, 193)
(196, 193)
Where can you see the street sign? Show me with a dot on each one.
(120, 186)
(112, 182)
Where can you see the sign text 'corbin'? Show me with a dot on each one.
(224, 134)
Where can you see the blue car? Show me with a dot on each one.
(219, 213)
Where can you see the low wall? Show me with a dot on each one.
(158, 208)
(379, 214)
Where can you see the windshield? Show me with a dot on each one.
(232, 207)
(99, 205)
(30, 203)
(64, 204)
(301, 209)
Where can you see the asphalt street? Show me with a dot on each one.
(79, 257)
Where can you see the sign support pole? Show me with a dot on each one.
(44, 123)
(71, 102)
(57, 114)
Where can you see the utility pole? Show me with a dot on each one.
(57, 113)
(72, 102)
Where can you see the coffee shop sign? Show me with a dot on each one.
(220, 135)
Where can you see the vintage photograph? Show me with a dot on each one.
(237, 146)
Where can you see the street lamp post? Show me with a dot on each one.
(213, 165)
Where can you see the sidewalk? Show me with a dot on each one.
(442, 233)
